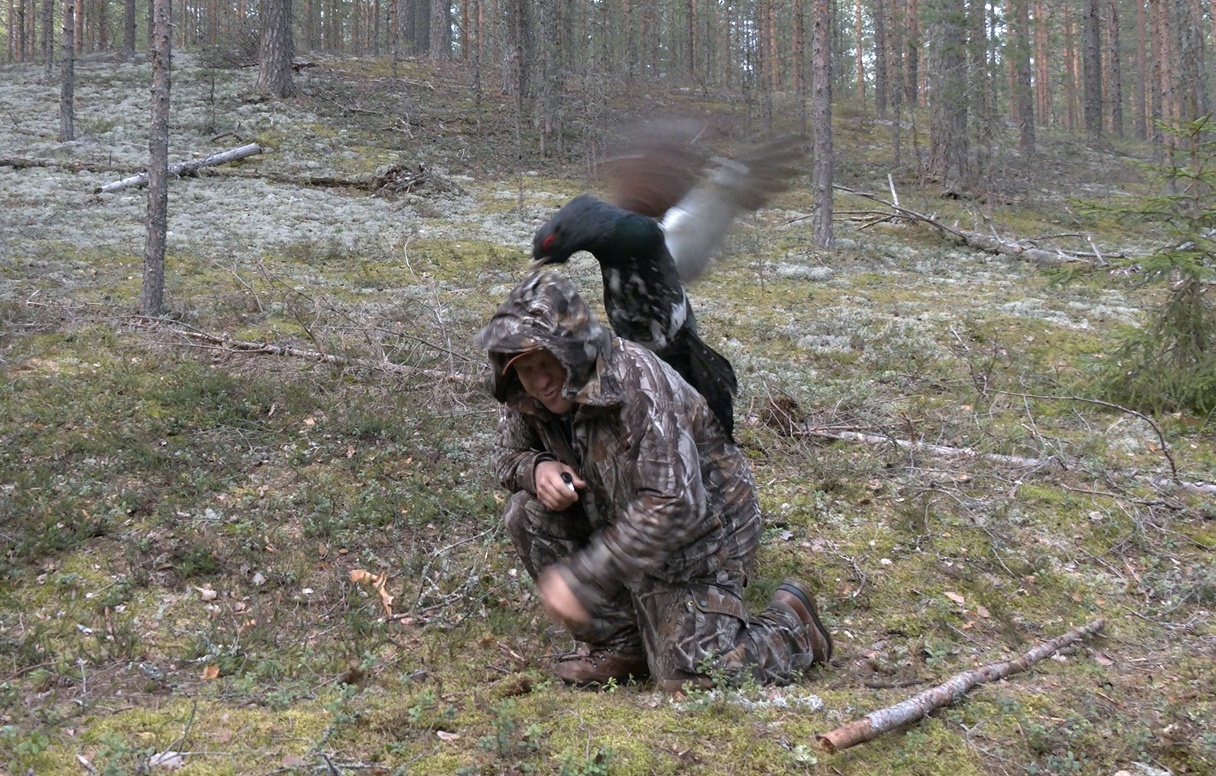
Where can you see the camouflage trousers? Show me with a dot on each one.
(688, 631)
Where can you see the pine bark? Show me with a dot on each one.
(949, 145)
(152, 293)
(1091, 60)
(1019, 64)
(1042, 79)
(821, 122)
(1114, 69)
(441, 30)
(912, 49)
(881, 66)
(48, 37)
(128, 29)
(67, 86)
(275, 51)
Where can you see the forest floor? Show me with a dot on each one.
(180, 518)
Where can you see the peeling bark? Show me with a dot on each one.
(185, 168)
(878, 722)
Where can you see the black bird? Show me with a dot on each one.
(645, 261)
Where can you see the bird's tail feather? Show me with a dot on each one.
(712, 375)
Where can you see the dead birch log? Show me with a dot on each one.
(266, 348)
(975, 240)
(876, 723)
(185, 168)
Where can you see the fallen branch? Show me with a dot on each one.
(976, 240)
(73, 166)
(185, 168)
(244, 346)
(907, 444)
(1161, 483)
(885, 720)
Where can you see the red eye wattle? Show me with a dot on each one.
(547, 243)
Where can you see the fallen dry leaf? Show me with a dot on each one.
(955, 597)
(983, 612)
(210, 672)
(207, 594)
(446, 736)
(377, 583)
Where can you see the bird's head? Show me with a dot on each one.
(578, 226)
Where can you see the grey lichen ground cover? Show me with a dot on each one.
(180, 520)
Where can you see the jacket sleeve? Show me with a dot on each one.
(665, 511)
(517, 452)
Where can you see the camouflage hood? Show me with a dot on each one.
(545, 312)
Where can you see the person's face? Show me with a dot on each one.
(542, 377)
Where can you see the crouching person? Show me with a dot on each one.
(634, 514)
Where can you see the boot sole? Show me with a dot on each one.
(795, 589)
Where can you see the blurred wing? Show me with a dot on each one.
(662, 164)
(698, 223)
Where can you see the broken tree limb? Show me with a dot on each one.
(945, 451)
(975, 240)
(185, 168)
(265, 348)
(882, 721)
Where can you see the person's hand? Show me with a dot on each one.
(559, 599)
(554, 492)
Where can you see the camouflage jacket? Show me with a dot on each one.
(667, 494)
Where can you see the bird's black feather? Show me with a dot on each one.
(643, 260)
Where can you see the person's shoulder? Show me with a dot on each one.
(642, 368)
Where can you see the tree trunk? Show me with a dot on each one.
(152, 293)
(1193, 62)
(1071, 113)
(947, 75)
(1114, 69)
(1140, 111)
(912, 43)
(548, 84)
(881, 66)
(128, 29)
(1157, 80)
(1042, 81)
(859, 54)
(441, 30)
(1019, 63)
(275, 51)
(67, 90)
(1091, 60)
(48, 37)
(821, 122)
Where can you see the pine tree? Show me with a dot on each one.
(1170, 362)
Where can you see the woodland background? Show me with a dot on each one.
(256, 532)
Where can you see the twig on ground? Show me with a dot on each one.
(223, 342)
(884, 720)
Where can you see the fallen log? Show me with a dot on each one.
(224, 342)
(882, 721)
(185, 168)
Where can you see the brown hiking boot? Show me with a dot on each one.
(794, 594)
(599, 666)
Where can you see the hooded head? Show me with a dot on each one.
(543, 312)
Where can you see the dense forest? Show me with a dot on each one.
(1099, 67)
